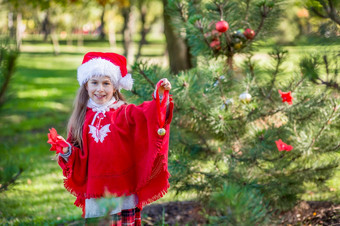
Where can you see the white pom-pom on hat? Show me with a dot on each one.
(105, 64)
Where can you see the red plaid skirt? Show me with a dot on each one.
(127, 217)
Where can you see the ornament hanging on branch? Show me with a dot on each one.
(245, 97)
(281, 146)
(286, 97)
(229, 101)
(215, 44)
(249, 33)
(239, 34)
(222, 26)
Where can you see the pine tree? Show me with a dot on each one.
(230, 119)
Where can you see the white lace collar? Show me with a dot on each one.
(100, 107)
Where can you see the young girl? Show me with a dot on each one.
(116, 149)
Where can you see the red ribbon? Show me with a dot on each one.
(161, 107)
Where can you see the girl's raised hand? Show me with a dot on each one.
(166, 85)
(65, 150)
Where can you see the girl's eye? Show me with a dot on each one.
(107, 83)
(94, 83)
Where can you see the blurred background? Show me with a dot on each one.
(213, 151)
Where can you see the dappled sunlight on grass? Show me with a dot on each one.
(50, 62)
(39, 93)
(53, 80)
(40, 193)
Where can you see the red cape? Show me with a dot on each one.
(133, 158)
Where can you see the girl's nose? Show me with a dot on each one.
(100, 87)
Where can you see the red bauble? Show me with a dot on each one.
(215, 33)
(222, 26)
(249, 33)
(215, 44)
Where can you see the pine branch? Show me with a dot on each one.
(278, 55)
(200, 28)
(247, 10)
(265, 10)
(252, 73)
(180, 7)
(322, 129)
(141, 71)
(11, 181)
(297, 84)
(319, 14)
(328, 167)
(329, 10)
(133, 91)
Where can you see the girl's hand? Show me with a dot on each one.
(65, 150)
(166, 85)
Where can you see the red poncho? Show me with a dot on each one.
(124, 156)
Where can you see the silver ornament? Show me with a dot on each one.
(245, 97)
(229, 101)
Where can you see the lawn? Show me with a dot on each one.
(41, 97)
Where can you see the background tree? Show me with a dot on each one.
(144, 7)
(325, 9)
(180, 57)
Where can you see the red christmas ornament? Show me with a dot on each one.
(216, 33)
(286, 97)
(222, 26)
(283, 146)
(249, 33)
(57, 143)
(215, 44)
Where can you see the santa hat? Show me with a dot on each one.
(105, 64)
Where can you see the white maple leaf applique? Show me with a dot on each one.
(99, 134)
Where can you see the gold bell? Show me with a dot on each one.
(161, 131)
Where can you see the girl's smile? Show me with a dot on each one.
(100, 89)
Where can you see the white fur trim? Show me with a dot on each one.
(126, 82)
(98, 67)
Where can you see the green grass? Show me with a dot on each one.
(41, 97)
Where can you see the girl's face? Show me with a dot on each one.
(100, 89)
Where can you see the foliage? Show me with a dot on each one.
(238, 205)
(324, 9)
(310, 68)
(196, 21)
(8, 56)
(220, 138)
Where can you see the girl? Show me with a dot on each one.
(115, 149)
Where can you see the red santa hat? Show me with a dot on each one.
(105, 64)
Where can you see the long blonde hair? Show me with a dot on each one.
(76, 121)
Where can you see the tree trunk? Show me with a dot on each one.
(179, 54)
(55, 41)
(46, 26)
(230, 62)
(8, 71)
(11, 27)
(112, 33)
(127, 34)
(102, 24)
(19, 30)
(80, 40)
(143, 32)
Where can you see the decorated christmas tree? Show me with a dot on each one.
(246, 136)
